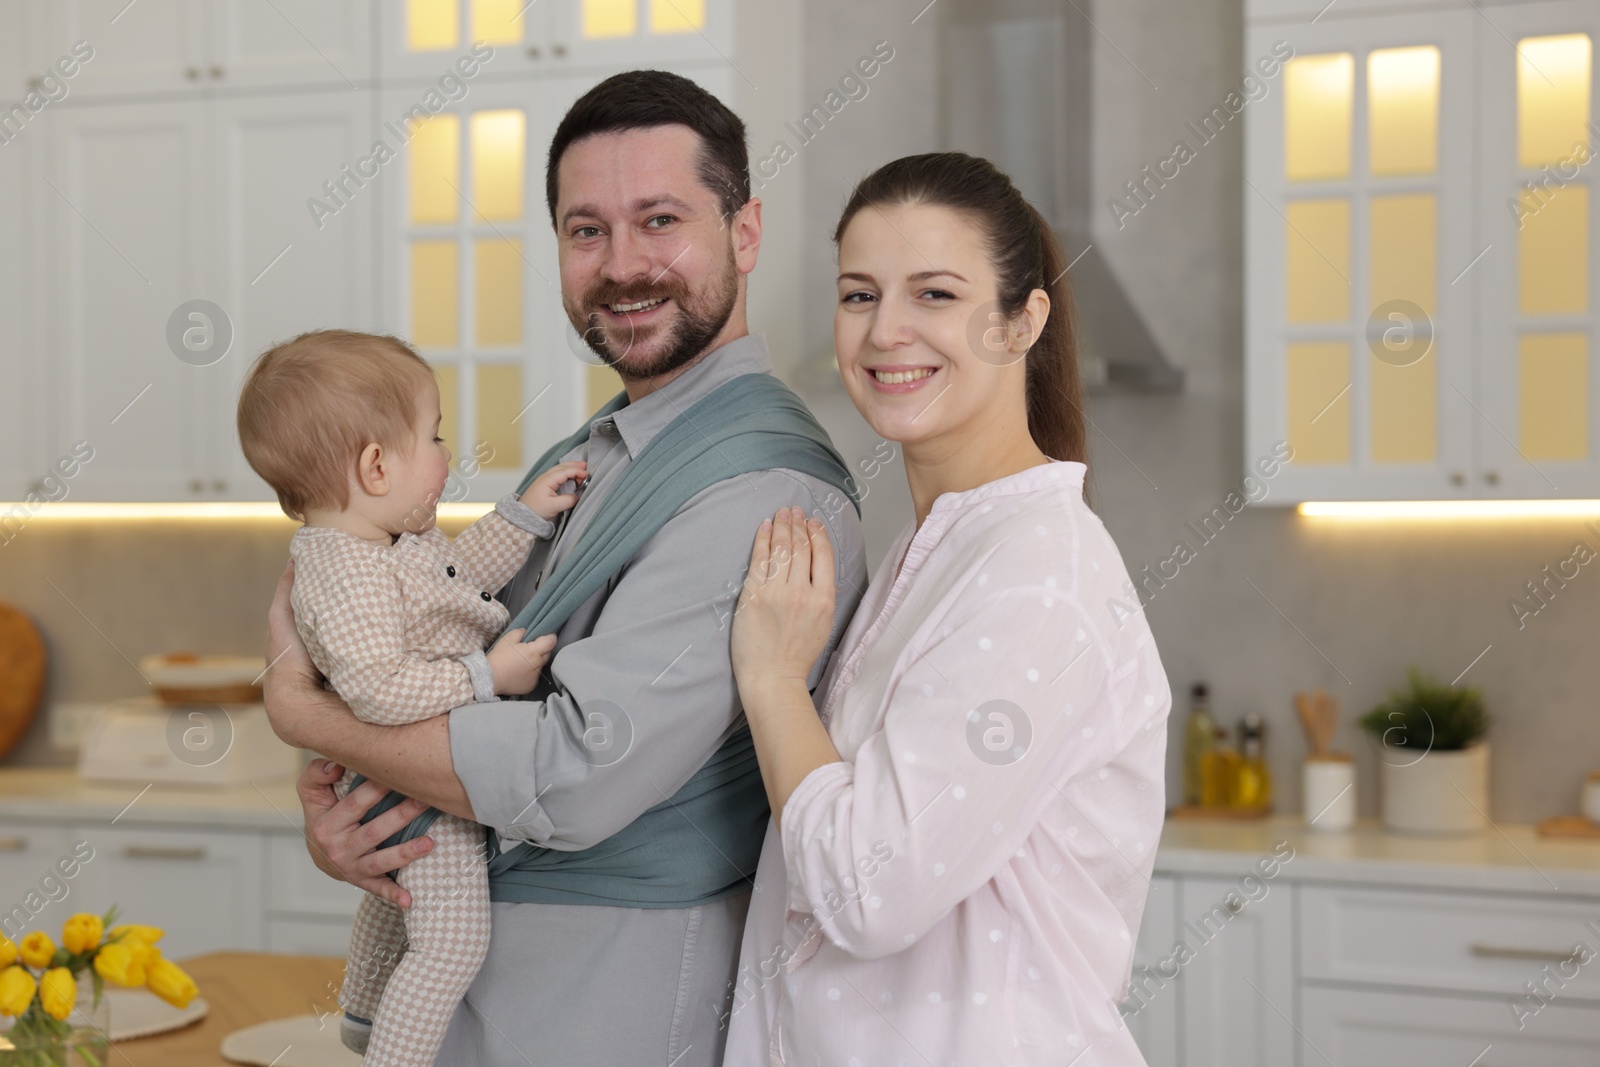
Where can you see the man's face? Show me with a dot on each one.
(650, 272)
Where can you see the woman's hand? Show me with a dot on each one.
(341, 846)
(785, 609)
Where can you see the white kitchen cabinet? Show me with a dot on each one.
(189, 47)
(203, 887)
(23, 458)
(124, 233)
(191, 200)
(1470, 942)
(1359, 351)
(282, 43)
(34, 891)
(297, 887)
(1410, 331)
(1238, 999)
(1539, 306)
(227, 152)
(17, 59)
(421, 38)
(147, 46)
(1386, 1029)
(282, 268)
(1151, 1010)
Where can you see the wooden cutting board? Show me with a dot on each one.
(22, 671)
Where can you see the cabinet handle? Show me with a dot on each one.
(1547, 955)
(533, 51)
(219, 485)
(558, 49)
(192, 73)
(196, 485)
(1457, 478)
(216, 72)
(13, 844)
(1492, 477)
(164, 852)
(35, 83)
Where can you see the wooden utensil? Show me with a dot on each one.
(1319, 718)
(22, 674)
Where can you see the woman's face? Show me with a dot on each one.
(922, 347)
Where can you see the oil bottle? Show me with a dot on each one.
(1199, 734)
(1253, 786)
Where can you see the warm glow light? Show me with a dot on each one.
(432, 25)
(1382, 510)
(197, 510)
(1552, 97)
(1318, 91)
(1403, 110)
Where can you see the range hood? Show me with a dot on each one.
(1019, 85)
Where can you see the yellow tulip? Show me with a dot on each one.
(122, 963)
(16, 990)
(8, 951)
(169, 982)
(148, 934)
(37, 950)
(58, 992)
(81, 932)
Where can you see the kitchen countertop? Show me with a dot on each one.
(59, 795)
(1506, 857)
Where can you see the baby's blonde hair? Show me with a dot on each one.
(311, 405)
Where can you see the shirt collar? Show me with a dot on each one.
(638, 423)
(1059, 475)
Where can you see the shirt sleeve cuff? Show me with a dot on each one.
(482, 676)
(492, 748)
(520, 515)
(799, 826)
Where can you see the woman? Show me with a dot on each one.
(960, 848)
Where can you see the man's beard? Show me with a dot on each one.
(700, 318)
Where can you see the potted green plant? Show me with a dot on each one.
(1434, 759)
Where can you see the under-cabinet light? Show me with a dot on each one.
(1448, 509)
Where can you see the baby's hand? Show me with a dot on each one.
(544, 497)
(516, 666)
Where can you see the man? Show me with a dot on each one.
(627, 954)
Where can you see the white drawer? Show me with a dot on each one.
(39, 875)
(1472, 942)
(1350, 1027)
(309, 937)
(202, 886)
(298, 886)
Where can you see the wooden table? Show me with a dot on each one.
(243, 988)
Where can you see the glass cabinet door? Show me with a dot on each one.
(423, 38)
(1358, 207)
(1536, 198)
(641, 32)
(561, 37)
(473, 279)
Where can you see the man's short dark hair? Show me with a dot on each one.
(641, 99)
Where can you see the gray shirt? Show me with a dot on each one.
(639, 695)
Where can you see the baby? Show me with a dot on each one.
(344, 427)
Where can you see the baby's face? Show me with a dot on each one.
(418, 476)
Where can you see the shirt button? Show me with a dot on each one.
(486, 596)
(450, 570)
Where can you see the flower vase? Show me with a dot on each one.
(35, 1039)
